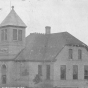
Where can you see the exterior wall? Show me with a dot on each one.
(63, 59)
(13, 73)
(15, 79)
(9, 49)
(10, 36)
(8, 76)
(33, 69)
(12, 46)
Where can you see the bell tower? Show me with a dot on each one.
(12, 35)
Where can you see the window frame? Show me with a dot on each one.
(4, 35)
(48, 69)
(85, 66)
(18, 37)
(79, 54)
(75, 72)
(15, 39)
(4, 79)
(70, 54)
(64, 72)
(40, 70)
(3, 72)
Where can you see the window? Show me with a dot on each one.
(70, 53)
(20, 35)
(4, 67)
(40, 70)
(14, 34)
(63, 72)
(17, 34)
(48, 72)
(3, 79)
(79, 54)
(4, 34)
(86, 72)
(3, 71)
(75, 72)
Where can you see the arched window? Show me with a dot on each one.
(4, 67)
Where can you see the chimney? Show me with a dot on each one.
(47, 29)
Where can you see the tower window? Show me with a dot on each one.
(14, 34)
(4, 34)
(17, 34)
(20, 35)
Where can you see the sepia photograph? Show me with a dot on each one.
(43, 43)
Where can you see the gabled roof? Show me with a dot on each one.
(12, 19)
(45, 47)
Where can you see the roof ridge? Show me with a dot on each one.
(19, 53)
(60, 32)
(36, 33)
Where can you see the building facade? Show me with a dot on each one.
(72, 67)
(40, 60)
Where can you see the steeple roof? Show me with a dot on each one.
(12, 19)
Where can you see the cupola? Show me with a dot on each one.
(12, 19)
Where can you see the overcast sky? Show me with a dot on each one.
(61, 15)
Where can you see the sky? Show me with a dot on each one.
(61, 15)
